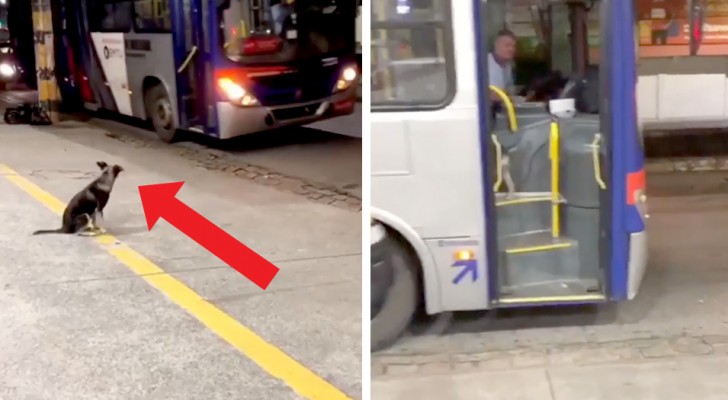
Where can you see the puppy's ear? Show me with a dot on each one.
(116, 169)
(102, 165)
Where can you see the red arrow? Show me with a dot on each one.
(159, 201)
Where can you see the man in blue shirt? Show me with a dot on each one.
(500, 62)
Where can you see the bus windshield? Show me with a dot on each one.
(276, 31)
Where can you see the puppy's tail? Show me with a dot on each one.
(47, 231)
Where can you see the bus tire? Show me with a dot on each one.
(400, 305)
(160, 111)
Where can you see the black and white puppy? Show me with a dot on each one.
(81, 213)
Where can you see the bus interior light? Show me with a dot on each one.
(236, 93)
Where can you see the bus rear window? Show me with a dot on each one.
(276, 31)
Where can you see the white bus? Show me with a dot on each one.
(477, 206)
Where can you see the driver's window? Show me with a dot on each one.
(545, 54)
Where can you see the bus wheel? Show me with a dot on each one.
(397, 310)
(160, 111)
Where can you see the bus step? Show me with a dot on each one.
(529, 216)
(536, 258)
(521, 198)
(559, 291)
(533, 242)
(190, 109)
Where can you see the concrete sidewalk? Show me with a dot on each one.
(109, 317)
(679, 379)
(77, 325)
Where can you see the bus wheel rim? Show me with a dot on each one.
(164, 113)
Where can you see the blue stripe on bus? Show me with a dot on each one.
(624, 136)
(212, 60)
(179, 48)
(489, 207)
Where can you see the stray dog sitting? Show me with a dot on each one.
(81, 213)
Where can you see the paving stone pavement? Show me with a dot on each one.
(687, 164)
(219, 160)
(638, 350)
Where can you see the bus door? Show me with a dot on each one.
(548, 215)
(194, 69)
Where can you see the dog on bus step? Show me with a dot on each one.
(87, 206)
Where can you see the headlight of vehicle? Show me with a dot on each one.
(346, 78)
(235, 93)
(6, 70)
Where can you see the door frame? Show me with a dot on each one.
(188, 32)
(484, 106)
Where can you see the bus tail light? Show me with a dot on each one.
(235, 93)
(346, 78)
(636, 193)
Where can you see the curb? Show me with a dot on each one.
(686, 164)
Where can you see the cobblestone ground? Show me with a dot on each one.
(679, 313)
(594, 353)
(200, 156)
(219, 160)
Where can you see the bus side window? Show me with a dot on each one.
(411, 64)
(152, 16)
(110, 15)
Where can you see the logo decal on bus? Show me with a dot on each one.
(108, 53)
(465, 259)
(469, 267)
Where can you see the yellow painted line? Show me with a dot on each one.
(552, 299)
(270, 358)
(533, 249)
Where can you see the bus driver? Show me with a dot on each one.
(500, 63)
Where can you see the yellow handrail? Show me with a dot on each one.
(554, 156)
(512, 122)
(597, 165)
(499, 164)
